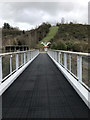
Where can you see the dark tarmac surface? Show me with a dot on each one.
(41, 91)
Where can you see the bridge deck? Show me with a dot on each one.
(42, 92)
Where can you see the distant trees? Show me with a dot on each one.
(70, 36)
(42, 30)
(62, 20)
(6, 26)
(60, 45)
(9, 30)
(70, 46)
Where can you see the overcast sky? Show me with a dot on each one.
(26, 15)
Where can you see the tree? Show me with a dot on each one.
(62, 20)
(6, 26)
(19, 42)
(23, 32)
(71, 23)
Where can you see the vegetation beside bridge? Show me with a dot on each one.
(65, 36)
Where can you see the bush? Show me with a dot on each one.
(59, 45)
(54, 45)
(77, 47)
(70, 45)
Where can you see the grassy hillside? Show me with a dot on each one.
(52, 32)
(73, 31)
(72, 37)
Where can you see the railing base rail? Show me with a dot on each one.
(80, 89)
(9, 80)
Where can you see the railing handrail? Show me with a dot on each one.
(79, 55)
(71, 52)
(18, 62)
(25, 56)
(65, 61)
(18, 52)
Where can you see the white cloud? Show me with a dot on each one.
(29, 14)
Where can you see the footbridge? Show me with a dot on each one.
(44, 85)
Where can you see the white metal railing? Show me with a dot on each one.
(15, 61)
(76, 63)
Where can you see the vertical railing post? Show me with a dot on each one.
(10, 63)
(34, 54)
(31, 54)
(21, 59)
(17, 61)
(69, 62)
(27, 56)
(65, 60)
(58, 57)
(50, 53)
(0, 69)
(53, 54)
(24, 58)
(61, 58)
(80, 65)
(79, 68)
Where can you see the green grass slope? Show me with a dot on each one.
(52, 32)
(72, 37)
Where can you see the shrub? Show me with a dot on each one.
(54, 45)
(70, 45)
(59, 45)
(77, 47)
